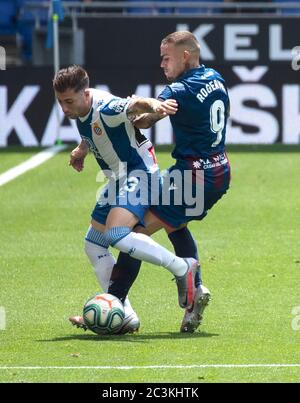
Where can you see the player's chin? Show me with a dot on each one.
(169, 78)
(71, 116)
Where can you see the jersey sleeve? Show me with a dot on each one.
(166, 93)
(115, 112)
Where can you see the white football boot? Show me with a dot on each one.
(193, 316)
(131, 322)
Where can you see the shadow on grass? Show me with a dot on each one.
(135, 338)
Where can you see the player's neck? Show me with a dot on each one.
(190, 66)
(193, 65)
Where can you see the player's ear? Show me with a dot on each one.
(186, 55)
(86, 93)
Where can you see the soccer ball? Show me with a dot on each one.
(103, 314)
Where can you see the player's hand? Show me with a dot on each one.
(77, 157)
(167, 107)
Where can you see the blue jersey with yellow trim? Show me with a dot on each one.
(203, 107)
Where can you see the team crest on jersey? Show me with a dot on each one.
(97, 129)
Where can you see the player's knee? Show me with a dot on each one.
(116, 234)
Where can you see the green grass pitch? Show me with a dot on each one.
(250, 253)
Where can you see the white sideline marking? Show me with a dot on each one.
(161, 366)
(31, 163)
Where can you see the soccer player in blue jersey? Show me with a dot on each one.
(126, 157)
(199, 128)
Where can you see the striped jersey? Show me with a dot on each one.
(117, 145)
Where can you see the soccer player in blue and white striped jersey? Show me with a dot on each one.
(127, 158)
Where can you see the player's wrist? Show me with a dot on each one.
(155, 105)
(83, 147)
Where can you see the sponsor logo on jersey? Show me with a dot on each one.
(92, 147)
(100, 102)
(213, 162)
(118, 105)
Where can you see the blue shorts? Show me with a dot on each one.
(135, 193)
(190, 188)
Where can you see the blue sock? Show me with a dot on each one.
(123, 275)
(185, 246)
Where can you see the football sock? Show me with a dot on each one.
(142, 247)
(127, 268)
(101, 259)
(185, 246)
(123, 275)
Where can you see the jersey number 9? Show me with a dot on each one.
(217, 120)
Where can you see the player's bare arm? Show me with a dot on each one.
(78, 155)
(147, 120)
(144, 112)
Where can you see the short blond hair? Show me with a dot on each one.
(183, 38)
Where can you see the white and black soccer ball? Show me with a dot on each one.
(103, 314)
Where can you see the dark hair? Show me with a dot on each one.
(184, 38)
(72, 77)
